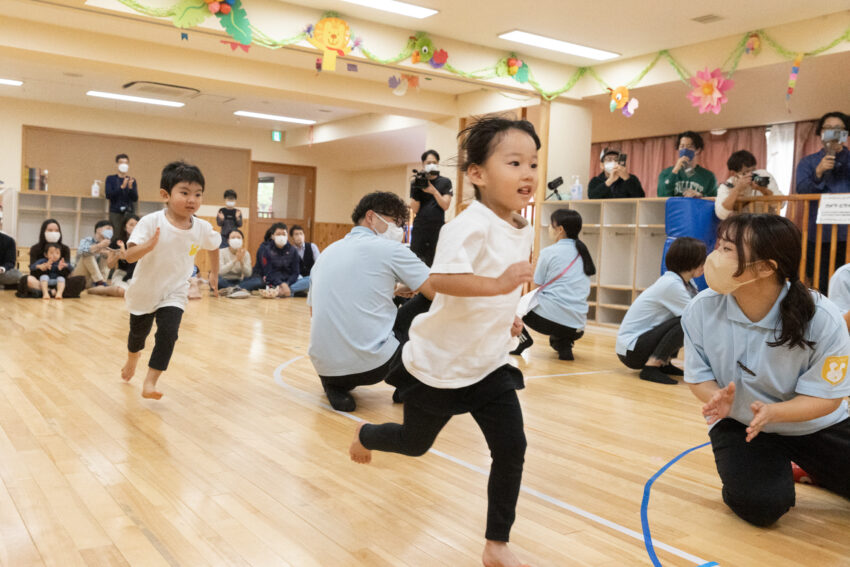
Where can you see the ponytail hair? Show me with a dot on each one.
(775, 239)
(570, 221)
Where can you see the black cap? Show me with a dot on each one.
(608, 151)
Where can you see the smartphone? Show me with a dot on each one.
(834, 135)
(622, 159)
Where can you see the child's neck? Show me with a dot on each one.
(180, 221)
(502, 212)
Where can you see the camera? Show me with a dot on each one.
(622, 159)
(761, 180)
(420, 180)
(553, 187)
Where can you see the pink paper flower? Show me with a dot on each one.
(709, 91)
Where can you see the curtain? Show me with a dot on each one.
(805, 143)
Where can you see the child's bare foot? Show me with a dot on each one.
(497, 554)
(57, 296)
(45, 296)
(359, 453)
(151, 394)
(129, 368)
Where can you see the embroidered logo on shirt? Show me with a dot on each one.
(834, 369)
(194, 250)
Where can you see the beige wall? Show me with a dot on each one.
(569, 141)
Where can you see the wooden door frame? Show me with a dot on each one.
(308, 172)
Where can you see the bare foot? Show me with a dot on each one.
(45, 296)
(497, 554)
(129, 368)
(57, 296)
(151, 394)
(359, 453)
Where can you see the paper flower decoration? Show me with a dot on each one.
(439, 58)
(230, 14)
(399, 85)
(619, 98)
(753, 46)
(630, 107)
(709, 90)
(393, 82)
(332, 35)
(518, 69)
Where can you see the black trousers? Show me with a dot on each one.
(423, 240)
(561, 337)
(840, 252)
(167, 323)
(501, 422)
(757, 481)
(662, 342)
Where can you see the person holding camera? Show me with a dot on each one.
(122, 192)
(431, 195)
(686, 178)
(746, 181)
(615, 181)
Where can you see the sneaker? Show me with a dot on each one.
(224, 292)
(800, 475)
(654, 374)
(341, 400)
(566, 354)
(239, 293)
(525, 341)
(671, 370)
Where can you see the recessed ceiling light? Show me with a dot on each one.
(395, 7)
(141, 99)
(75, 75)
(708, 19)
(535, 40)
(273, 117)
(325, 110)
(11, 82)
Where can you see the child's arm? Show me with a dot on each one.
(136, 251)
(470, 285)
(213, 256)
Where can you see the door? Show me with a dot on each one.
(281, 193)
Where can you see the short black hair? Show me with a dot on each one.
(101, 223)
(50, 245)
(122, 156)
(178, 172)
(274, 228)
(432, 153)
(844, 118)
(695, 138)
(230, 193)
(234, 231)
(740, 159)
(386, 204)
(685, 254)
(296, 227)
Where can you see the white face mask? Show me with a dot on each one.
(236, 243)
(610, 166)
(123, 167)
(52, 236)
(107, 234)
(432, 168)
(280, 240)
(230, 203)
(393, 231)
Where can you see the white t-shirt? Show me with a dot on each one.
(161, 278)
(461, 340)
(723, 193)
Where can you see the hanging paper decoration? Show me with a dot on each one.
(439, 58)
(233, 45)
(351, 67)
(424, 52)
(753, 45)
(183, 36)
(332, 35)
(792, 80)
(619, 98)
(399, 85)
(709, 90)
(631, 106)
(412, 81)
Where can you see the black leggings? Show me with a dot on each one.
(757, 481)
(561, 337)
(501, 422)
(662, 342)
(167, 324)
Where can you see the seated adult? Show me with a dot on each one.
(9, 275)
(235, 265)
(51, 233)
(746, 181)
(651, 332)
(92, 254)
(686, 178)
(826, 171)
(255, 281)
(615, 181)
(281, 266)
(307, 251)
(352, 339)
(121, 270)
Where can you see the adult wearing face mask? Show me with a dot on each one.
(281, 266)
(827, 171)
(51, 233)
(615, 181)
(122, 192)
(9, 276)
(356, 330)
(93, 253)
(307, 251)
(429, 204)
(235, 262)
(686, 178)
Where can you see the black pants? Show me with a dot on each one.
(167, 324)
(840, 252)
(423, 240)
(757, 481)
(662, 342)
(501, 422)
(561, 337)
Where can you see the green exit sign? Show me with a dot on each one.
(277, 135)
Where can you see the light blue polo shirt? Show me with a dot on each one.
(351, 293)
(565, 301)
(839, 288)
(718, 336)
(663, 300)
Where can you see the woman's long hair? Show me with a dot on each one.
(570, 221)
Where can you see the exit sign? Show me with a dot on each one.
(277, 135)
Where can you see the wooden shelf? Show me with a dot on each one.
(618, 226)
(651, 226)
(615, 286)
(614, 306)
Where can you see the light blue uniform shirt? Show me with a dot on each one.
(839, 288)
(663, 300)
(565, 301)
(718, 336)
(351, 293)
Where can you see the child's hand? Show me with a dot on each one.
(214, 283)
(720, 404)
(44, 267)
(516, 275)
(516, 328)
(62, 264)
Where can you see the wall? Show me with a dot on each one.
(569, 141)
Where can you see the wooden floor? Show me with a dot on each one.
(240, 463)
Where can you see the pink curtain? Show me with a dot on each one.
(805, 143)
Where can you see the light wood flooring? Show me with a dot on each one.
(240, 463)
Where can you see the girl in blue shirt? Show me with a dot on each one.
(768, 357)
(561, 311)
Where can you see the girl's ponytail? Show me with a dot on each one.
(570, 221)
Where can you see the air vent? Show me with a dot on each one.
(708, 19)
(160, 89)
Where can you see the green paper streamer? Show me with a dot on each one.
(190, 13)
(236, 23)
